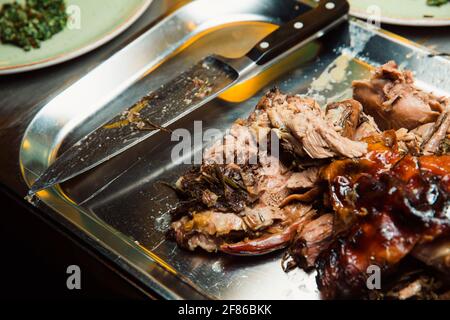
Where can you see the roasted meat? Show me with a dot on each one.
(391, 97)
(240, 200)
(345, 116)
(391, 203)
(306, 130)
(312, 239)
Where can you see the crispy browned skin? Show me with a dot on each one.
(398, 201)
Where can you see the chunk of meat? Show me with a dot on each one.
(239, 146)
(277, 237)
(391, 97)
(383, 154)
(344, 116)
(214, 223)
(423, 130)
(262, 217)
(366, 128)
(209, 229)
(398, 207)
(204, 229)
(323, 142)
(312, 239)
(307, 197)
(305, 179)
(301, 124)
(343, 267)
(435, 254)
(428, 139)
(272, 178)
(434, 137)
(255, 231)
(197, 240)
(319, 140)
(412, 141)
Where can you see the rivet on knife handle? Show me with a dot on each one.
(301, 28)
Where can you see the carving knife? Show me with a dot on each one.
(186, 92)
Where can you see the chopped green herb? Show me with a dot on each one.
(26, 26)
(436, 2)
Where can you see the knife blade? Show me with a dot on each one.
(185, 93)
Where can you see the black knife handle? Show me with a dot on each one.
(297, 30)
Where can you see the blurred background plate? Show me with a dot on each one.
(402, 12)
(100, 21)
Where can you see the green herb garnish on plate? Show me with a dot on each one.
(26, 26)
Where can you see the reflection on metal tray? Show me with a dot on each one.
(123, 204)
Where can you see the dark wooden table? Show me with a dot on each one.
(32, 241)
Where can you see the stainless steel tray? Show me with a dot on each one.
(122, 206)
